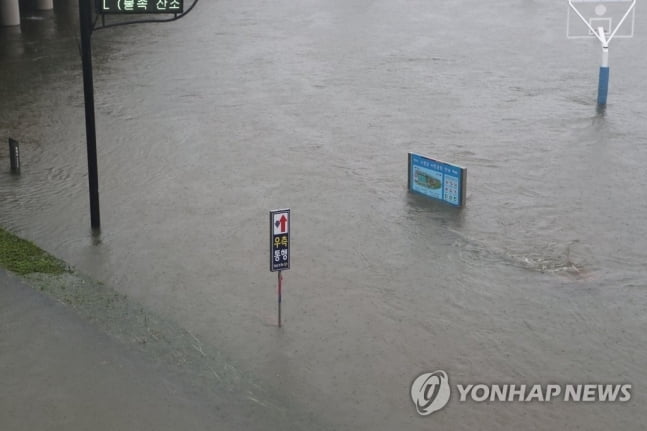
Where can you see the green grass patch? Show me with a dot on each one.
(23, 257)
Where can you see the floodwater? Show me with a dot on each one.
(205, 124)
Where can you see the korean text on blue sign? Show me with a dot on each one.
(437, 180)
(279, 240)
(140, 6)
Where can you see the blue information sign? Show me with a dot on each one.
(279, 240)
(437, 180)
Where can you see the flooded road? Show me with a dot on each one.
(205, 124)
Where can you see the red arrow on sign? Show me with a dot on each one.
(282, 221)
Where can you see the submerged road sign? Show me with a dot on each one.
(139, 6)
(437, 180)
(279, 240)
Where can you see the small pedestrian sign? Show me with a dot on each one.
(279, 240)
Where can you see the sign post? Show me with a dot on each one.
(279, 296)
(85, 21)
(279, 248)
(87, 26)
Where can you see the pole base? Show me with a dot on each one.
(603, 85)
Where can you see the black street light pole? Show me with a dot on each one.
(87, 26)
(85, 18)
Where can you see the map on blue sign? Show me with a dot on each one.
(437, 180)
(427, 182)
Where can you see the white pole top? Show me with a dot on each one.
(599, 32)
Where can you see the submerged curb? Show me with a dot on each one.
(161, 339)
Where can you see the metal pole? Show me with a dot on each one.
(279, 292)
(603, 79)
(85, 18)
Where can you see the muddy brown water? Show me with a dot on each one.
(205, 124)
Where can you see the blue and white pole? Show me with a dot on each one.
(598, 12)
(603, 82)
